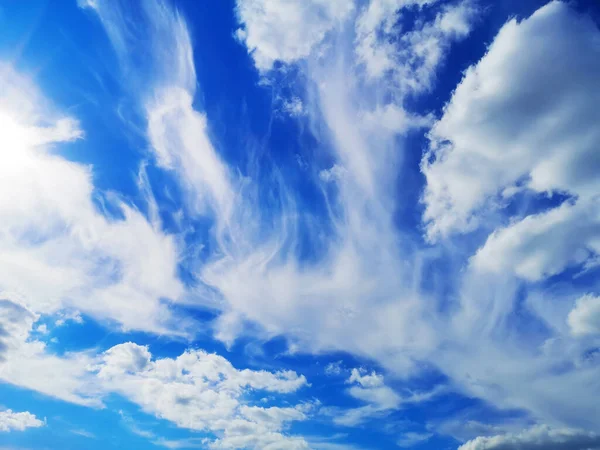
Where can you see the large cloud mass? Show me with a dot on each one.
(521, 125)
(523, 118)
(537, 438)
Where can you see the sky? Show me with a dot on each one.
(300, 224)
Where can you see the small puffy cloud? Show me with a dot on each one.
(125, 358)
(18, 421)
(411, 56)
(364, 379)
(537, 438)
(334, 368)
(287, 30)
(294, 107)
(584, 319)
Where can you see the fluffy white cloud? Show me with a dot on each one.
(411, 56)
(334, 368)
(502, 132)
(197, 390)
(203, 391)
(584, 319)
(537, 438)
(287, 30)
(544, 244)
(18, 421)
(520, 122)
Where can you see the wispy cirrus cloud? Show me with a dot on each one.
(58, 250)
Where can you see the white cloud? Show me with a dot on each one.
(584, 319)
(203, 391)
(380, 399)
(361, 293)
(537, 438)
(57, 250)
(544, 244)
(294, 107)
(84, 433)
(18, 421)
(334, 368)
(411, 56)
(287, 30)
(371, 388)
(501, 130)
(374, 26)
(181, 443)
(165, 85)
(124, 358)
(393, 118)
(513, 125)
(410, 439)
(26, 363)
(255, 275)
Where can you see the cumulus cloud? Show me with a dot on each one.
(411, 56)
(544, 244)
(501, 132)
(287, 30)
(584, 319)
(334, 368)
(18, 421)
(202, 391)
(538, 437)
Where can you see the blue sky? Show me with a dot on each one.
(299, 224)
